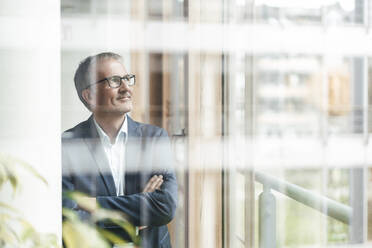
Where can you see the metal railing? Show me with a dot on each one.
(267, 206)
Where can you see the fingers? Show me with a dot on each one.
(150, 183)
(141, 227)
(154, 183)
(158, 182)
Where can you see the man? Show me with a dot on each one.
(121, 164)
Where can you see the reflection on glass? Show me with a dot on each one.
(294, 12)
(301, 226)
(285, 95)
(278, 108)
(115, 8)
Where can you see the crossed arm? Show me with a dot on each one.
(153, 184)
(149, 208)
(154, 206)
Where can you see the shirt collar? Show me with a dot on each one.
(123, 132)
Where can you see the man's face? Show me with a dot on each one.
(110, 100)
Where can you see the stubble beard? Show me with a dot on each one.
(114, 111)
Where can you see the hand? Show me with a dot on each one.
(154, 183)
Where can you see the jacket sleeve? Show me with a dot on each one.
(67, 185)
(150, 208)
(70, 204)
(146, 209)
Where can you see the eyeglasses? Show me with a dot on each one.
(116, 81)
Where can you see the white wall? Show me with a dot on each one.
(30, 105)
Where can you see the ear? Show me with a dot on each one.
(88, 96)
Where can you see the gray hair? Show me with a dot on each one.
(83, 74)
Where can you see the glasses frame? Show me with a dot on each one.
(125, 78)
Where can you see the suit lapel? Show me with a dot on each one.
(132, 157)
(93, 142)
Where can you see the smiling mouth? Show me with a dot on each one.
(126, 98)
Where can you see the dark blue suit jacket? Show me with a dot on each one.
(85, 168)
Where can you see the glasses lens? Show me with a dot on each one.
(115, 82)
(130, 80)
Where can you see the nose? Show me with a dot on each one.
(124, 86)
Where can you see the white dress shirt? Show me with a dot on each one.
(115, 154)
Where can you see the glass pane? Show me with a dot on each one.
(369, 95)
(334, 12)
(288, 95)
(115, 8)
(236, 105)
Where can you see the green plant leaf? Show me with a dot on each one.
(25, 234)
(113, 238)
(9, 165)
(8, 237)
(70, 214)
(116, 217)
(28, 231)
(101, 214)
(8, 207)
(3, 174)
(104, 214)
(35, 239)
(84, 201)
(50, 240)
(10, 171)
(130, 229)
(7, 233)
(29, 168)
(80, 235)
(13, 179)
